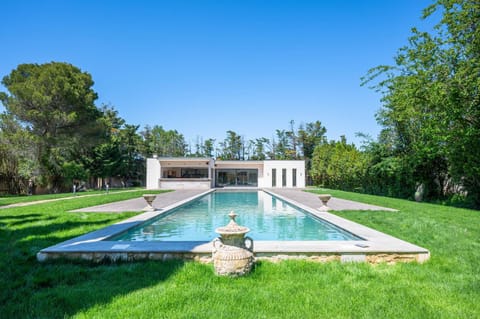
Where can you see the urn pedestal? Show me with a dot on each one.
(324, 198)
(149, 198)
(232, 252)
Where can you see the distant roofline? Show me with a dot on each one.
(194, 159)
(183, 158)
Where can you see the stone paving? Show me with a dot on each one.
(138, 204)
(169, 198)
(166, 199)
(311, 200)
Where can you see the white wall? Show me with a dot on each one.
(153, 173)
(279, 165)
(176, 183)
(264, 173)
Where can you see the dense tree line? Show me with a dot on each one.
(431, 109)
(429, 147)
(53, 134)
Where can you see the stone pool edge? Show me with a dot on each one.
(375, 248)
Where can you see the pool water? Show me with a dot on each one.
(268, 218)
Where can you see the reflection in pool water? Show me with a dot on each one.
(268, 218)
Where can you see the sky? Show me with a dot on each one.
(205, 67)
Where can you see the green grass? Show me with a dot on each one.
(15, 199)
(447, 286)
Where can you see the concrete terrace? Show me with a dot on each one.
(164, 200)
(374, 247)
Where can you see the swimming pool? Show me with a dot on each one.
(97, 246)
(268, 217)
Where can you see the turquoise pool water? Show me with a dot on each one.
(268, 218)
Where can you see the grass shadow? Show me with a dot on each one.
(62, 288)
(23, 216)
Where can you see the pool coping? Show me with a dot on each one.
(376, 246)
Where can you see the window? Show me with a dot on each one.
(274, 177)
(284, 177)
(194, 173)
(236, 177)
(294, 177)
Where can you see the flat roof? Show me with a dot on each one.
(183, 159)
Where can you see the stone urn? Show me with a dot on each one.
(324, 198)
(149, 198)
(232, 252)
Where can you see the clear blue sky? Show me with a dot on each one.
(205, 67)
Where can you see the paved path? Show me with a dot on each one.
(166, 199)
(138, 204)
(311, 200)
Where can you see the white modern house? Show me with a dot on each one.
(205, 173)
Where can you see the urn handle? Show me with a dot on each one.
(248, 243)
(217, 244)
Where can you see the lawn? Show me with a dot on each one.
(447, 286)
(8, 200)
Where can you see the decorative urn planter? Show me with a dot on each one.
(232, 252)
(324, 198)
(149, 198)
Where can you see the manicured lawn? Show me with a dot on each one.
(447, 286)
(8, 200)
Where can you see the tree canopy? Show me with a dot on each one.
(55, 104)
(431, 103)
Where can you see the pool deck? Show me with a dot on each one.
(161, 202)
(164, 200)
(374, 248)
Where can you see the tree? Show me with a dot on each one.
(338, 165)
(431, 101)
(161, 142)
(208, 147)
(55, 103)
(282, 146)
(309, 136)
(104, 159)
(204, 148)
(231, 148)
(260, 146)
(17, 155)
(131, 165)
(292, 136)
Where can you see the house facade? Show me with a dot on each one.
(205, 173)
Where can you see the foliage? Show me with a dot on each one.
(232, 148)
(55, 103)
(163, 143)
(431, 103)
(204, 148)
(131, 163)
(73, 172)
(309, 136)
(338, 165)
(260, 148)
(53, 134)
(17, 155)
(287, 144)
(444, 287)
